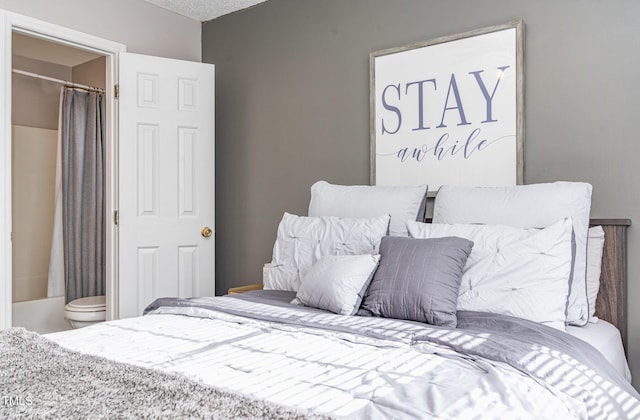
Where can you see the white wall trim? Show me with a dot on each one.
(12, 22)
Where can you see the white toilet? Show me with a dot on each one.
(86, 311)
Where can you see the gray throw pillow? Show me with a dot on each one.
(418, 280)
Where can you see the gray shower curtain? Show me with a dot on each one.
(83, 218)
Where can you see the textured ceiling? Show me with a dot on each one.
(204, 10)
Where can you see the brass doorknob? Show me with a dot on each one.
(206, 232)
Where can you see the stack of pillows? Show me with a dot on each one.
(518, 251)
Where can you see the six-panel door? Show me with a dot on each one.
(166, 158)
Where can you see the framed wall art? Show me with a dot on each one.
(449, 110)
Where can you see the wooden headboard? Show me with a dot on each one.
(611, 304)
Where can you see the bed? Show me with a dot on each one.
(258, 355)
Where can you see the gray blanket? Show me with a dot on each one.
(560, 361)
(40, 379)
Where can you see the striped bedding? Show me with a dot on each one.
(257, 344)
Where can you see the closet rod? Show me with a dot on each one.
(64, 82)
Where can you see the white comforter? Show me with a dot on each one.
(341, 373)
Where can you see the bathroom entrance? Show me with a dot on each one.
(57, 180)
(159, 167)
(37, 59)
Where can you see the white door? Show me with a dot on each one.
(166, 180)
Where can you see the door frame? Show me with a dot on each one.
(12, 22)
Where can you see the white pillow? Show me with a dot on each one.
(595, 246)
(401, 203)
(512, 271)
(303, 240)
(528, 206)
(337, 283)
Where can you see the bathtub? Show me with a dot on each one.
(41, 315)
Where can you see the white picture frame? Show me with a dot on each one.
(449, 110)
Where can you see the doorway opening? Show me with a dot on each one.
(41, 69)
(40, 51)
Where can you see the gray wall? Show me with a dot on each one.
(292, 107)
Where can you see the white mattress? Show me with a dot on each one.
(605, 337)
